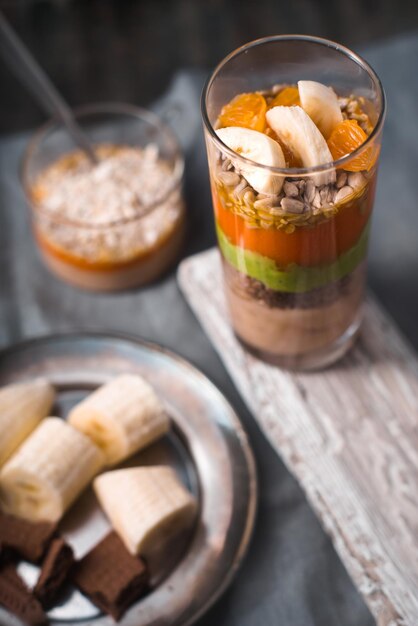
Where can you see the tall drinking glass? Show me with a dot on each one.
(294, 248)
(116, 230)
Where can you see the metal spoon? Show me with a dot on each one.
(32, 75)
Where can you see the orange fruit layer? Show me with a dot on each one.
(289, 96)
(346, 137)
(247, 110)
(307, 246)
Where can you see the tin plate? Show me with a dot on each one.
(207, 446)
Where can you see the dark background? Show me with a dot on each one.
(128, 50)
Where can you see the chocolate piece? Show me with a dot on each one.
(54, 572)
(6, 554)
(29, 540)
(16, 597)
(111, 577)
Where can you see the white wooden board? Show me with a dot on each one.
(349, 434)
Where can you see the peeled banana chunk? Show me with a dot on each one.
(321, 104)
(147, 506)
(22, 406)
(121, 417)
(48, 472)
(297, 130)
(259, 148)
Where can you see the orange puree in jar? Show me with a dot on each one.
(66, 256)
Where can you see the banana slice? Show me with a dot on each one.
(22, 406)
(147, 506)
(321, 104)
(260, 148)
(296, 129)
(48, 472)
(121, 417)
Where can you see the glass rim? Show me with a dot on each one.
(301, 171)
(110, 108)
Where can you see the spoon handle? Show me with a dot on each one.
(32, 75)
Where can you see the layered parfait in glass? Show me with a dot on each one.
(293, 166)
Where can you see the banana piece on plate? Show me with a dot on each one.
(147, 506)
(321, 104)
(296, 129)
(121, 417)
(47, 473)
(22, 406)
(259, 148)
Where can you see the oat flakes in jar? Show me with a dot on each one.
(115, 225)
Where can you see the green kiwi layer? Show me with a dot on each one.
(295, 278)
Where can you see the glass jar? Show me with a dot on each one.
(294, 259)
(104, 227)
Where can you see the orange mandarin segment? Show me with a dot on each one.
(247, 110)
(346, 137)
(287, 97)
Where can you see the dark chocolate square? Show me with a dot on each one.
(6, 554)
(30, 540)
(18, 599)
(55, 570)
(111, 577)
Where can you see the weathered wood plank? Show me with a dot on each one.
(349, 434)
